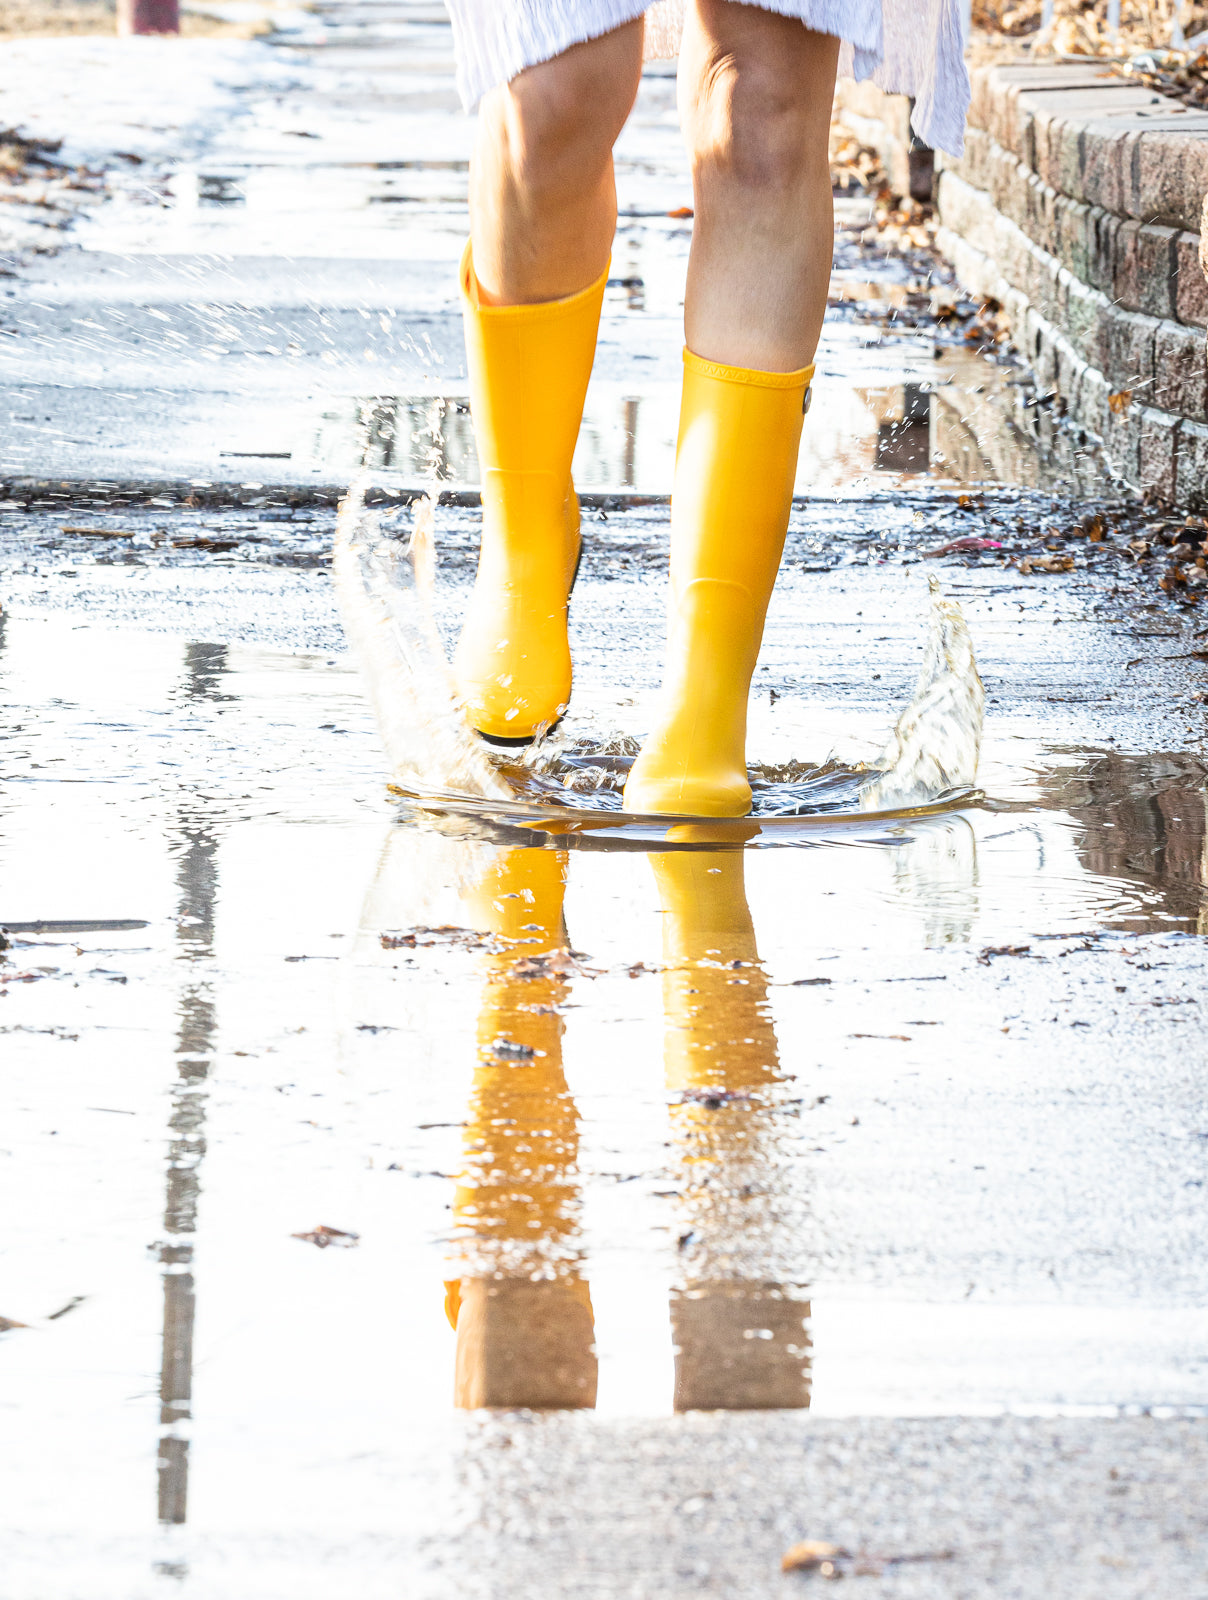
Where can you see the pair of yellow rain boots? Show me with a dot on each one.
(736, 461)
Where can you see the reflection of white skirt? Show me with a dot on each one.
(910, 47)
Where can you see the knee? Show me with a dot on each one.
(753, 124)
(562, 117)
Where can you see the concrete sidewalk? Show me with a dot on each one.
(260, 288)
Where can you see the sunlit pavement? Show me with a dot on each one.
(851, 1192)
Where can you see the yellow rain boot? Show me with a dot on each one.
(734, 470)
(529, 367)
(520, 1305)
(728, 1148)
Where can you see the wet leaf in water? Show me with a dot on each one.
(1049, 563)
(322, 1236)
(420, 938)
(969, 544)
(1003, 950)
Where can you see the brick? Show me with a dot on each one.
(1121, 448)
(1144, 279)
(1125, 350)
(1157, 449)
(975, 165)
(1044, 229)
(1191, 286)
(981, 98)
(1049, 136)
(1066, 159)
(1180, 361)
(1090, 401)
(1042, 357)
(1068, 368)
(1103, 234)
(1075, 244)
(1105, 157)
(1191, 482)
(1008, 185)
(1084, 320)
(1015, 306)
(1038, 281)
(1169, 175)
(968, 211)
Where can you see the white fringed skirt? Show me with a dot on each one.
(913, 47)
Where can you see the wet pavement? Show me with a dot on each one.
(262, 290)
(841, 1183)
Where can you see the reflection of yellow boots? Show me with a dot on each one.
(529, 367)
(735, 465)
(739, 1330)
(521, 1308)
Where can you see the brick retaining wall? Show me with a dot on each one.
(1078, 204)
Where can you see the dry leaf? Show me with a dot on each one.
(811, 1554)
(969, 544)
(1119, 402)
(322, 1236)
(833, 1561)
(1003, 950)
(1051, 563)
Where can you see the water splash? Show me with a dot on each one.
(934, 747)
(385, 594)
(386, 587)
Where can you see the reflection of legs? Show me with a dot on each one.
(522, 1312)
(543, 211)
(755, 96)
(739, 1334)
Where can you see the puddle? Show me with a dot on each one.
(862, 1109)
(662, 1128)
(569, 782)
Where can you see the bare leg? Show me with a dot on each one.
(755, 95)
(543, 210)
(543, 204)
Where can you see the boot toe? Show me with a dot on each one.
(651, 793)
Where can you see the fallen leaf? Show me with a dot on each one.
(810, 1554)
(422, 937)
(682, 211)
(714, 1099)
(8, 1323)
(1050, 563)
(966, 545)
(322, 1236)
(1119, 402)
(833, 1561)
(553, 964)
(1003, 950)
